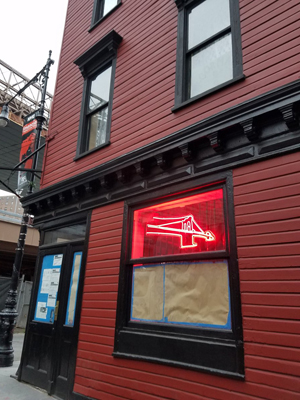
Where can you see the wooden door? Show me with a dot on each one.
(51, 339)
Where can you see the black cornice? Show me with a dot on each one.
(108, 45)
(181, 3)
(262, 127)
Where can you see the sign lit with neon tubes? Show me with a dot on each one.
(185, 225)
(186, 228)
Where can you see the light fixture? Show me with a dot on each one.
(4, 116)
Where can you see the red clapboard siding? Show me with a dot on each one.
(145, 75)
(268, 233)
(270, 305)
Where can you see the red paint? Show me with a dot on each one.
(270, 298)
(145, 75)
(266, 196)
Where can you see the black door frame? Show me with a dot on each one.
(63, 332)
(83, 217)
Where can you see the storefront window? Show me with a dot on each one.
(178, 291)
(189, 293)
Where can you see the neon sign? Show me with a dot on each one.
(186, 228)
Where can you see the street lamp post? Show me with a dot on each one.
(9, 314)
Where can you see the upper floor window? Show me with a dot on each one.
(97, 66)
(102, 8)
(97, 107)
(209, 47)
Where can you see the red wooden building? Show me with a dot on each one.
(169, 211)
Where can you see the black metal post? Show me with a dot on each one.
(40, 119)
(9, 314)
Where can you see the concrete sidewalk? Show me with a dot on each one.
(10, 388)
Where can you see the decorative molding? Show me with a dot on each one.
(63, 198)
(142, 168)
(123, 176)
(250, 129)
(180, 3)
(188, 151)
(50, 203)
(75, 192)
(165, 177)
(163, 160)
(40, 205)
(107, 46)
(216, 141)
(92, 186)
(108, 180)
(290, 116)
(138, 169)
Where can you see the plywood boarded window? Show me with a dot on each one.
(191, 293)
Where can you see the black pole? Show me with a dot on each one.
(20, 169)
(9, 314)
(40, 119)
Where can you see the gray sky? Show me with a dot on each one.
(29, 29)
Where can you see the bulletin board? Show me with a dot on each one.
(48, 288)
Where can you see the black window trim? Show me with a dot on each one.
(100, 4)
(182, 70)
(94, 61)
(221, 350)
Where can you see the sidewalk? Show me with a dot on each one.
(10, 388)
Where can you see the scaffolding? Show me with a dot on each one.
(11, 81)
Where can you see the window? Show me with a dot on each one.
(208, 49)
(178, 291)
(103, 8)
(65, 234)
(97, 109)
(97, 66)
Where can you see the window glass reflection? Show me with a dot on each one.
(97, 127)
(66, 234)
(207, 19)
(100, 88)
(71, 308)
(211, 66)
(109, 5)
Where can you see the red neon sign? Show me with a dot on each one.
(192, 223)
(186, 228)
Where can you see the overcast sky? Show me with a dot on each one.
(29, 29)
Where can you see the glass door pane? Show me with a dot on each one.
(70, 313)
(48, 288)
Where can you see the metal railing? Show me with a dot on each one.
(8, 216)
